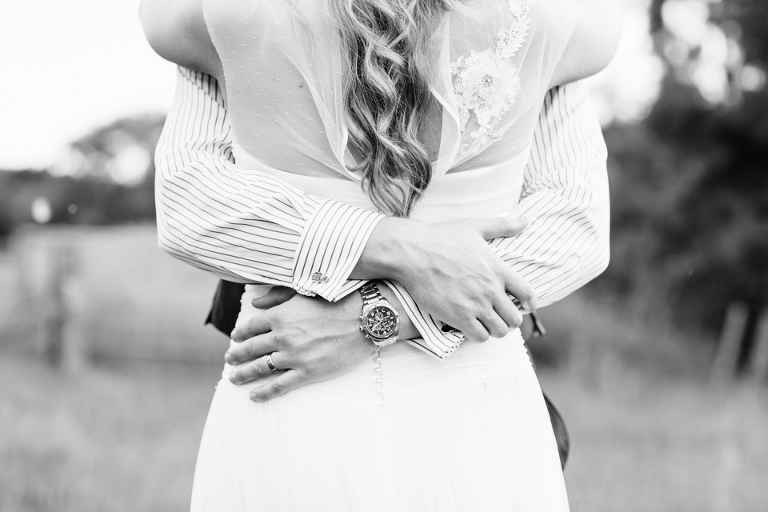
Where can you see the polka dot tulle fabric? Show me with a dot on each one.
(284, 73)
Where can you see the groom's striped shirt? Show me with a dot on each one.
(247, 226)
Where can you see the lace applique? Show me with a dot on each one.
(487, 82)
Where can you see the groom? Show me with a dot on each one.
(565, 191)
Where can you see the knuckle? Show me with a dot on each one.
(499, 331)
(311, 371)
(302, 360)
(272, 318)
(466, 319)
(245, 375)
(250, 326)
(277, 387)
(476, 334)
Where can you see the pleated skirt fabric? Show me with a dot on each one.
(406, 433)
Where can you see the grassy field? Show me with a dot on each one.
(106, 440)
(649, 432)
(645, 444)
(124, 438)
(132, 300)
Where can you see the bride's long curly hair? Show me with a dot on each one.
(387, 93)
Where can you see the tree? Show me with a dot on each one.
(690, 183)
(107, 179)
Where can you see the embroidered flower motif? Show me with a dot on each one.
(486, 83)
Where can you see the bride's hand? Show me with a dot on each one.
(451, 272)
(309, 340)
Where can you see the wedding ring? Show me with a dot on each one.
(271, 365)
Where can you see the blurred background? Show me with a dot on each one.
(660, 365)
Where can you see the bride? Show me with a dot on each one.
(392, 132)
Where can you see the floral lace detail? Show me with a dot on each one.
(487, 82)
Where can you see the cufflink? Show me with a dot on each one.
(319, 277)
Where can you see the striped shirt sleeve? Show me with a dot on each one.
(247, 226)
(244, 225)
(565, 196)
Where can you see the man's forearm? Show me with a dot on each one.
(565, 196)
(243, 225)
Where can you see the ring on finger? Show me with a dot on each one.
(271, 365)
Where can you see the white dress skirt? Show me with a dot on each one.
(404, 433)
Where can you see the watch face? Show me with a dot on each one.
(381, 322)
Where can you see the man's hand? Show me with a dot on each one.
(451, 272)
(309, 339)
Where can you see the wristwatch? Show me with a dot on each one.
(379, 321)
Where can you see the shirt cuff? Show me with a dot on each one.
(435, 340)
(329, 248)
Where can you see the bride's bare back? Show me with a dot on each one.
(283, 69)
(177, 31)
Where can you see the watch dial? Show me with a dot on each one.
(381, 322)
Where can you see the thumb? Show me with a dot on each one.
(497, 227)
(274, 297)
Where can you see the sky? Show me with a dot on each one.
(68, 67)
(71, 66)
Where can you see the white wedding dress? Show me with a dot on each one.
(406, 431)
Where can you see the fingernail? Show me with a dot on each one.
(232, 377)
(232, 335)
(253, 397)
(228, 357)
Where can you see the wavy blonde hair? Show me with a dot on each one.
(386, 94)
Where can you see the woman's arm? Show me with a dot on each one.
(593, 42)
(176, 30)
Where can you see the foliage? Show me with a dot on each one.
(689, 184)
(644, 438)
(690, 187)
(100, 185)
(73, 200)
